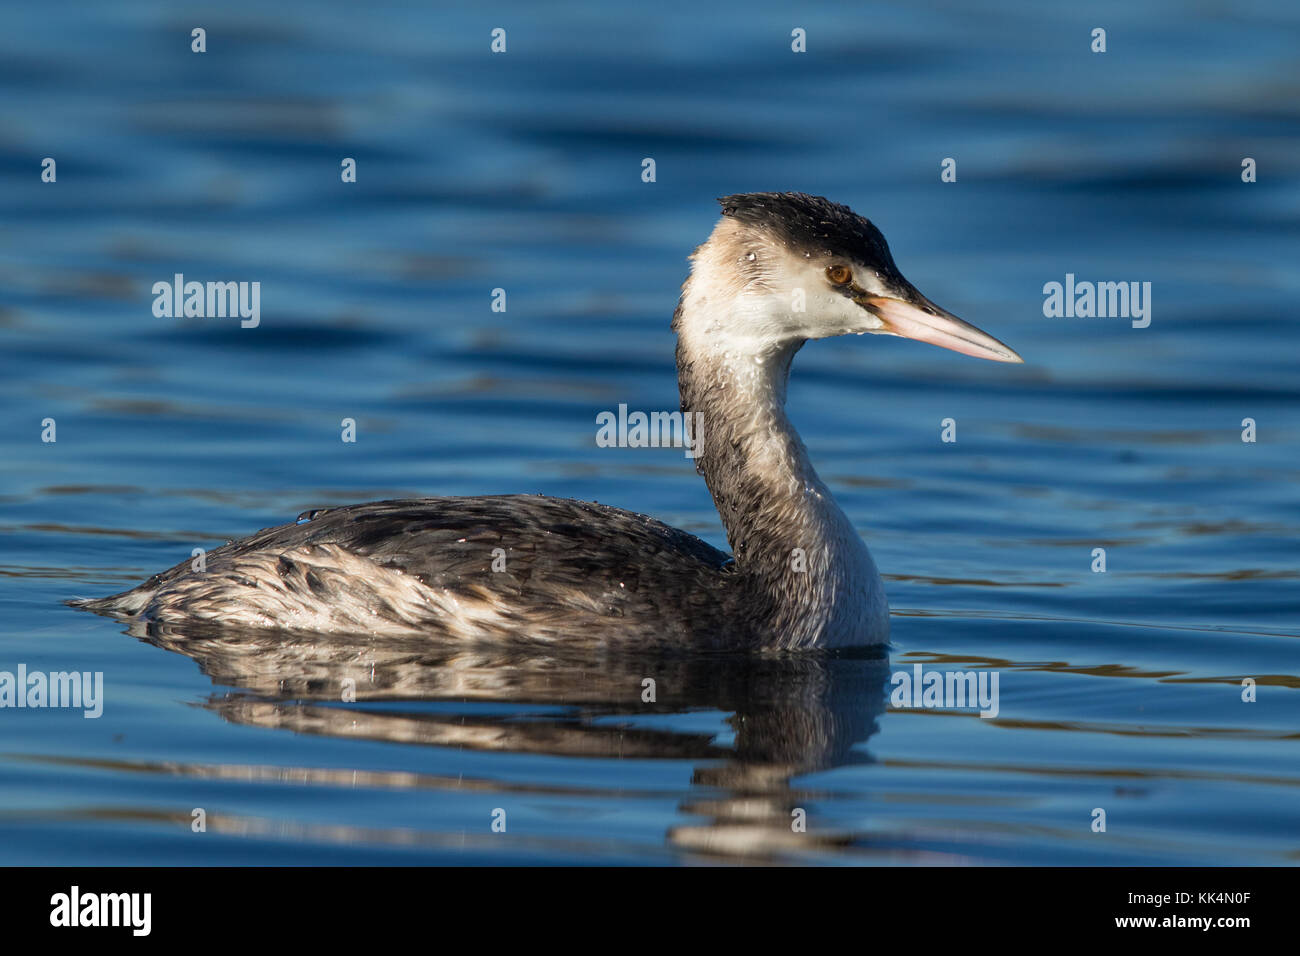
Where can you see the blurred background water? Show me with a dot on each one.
(1119, 690)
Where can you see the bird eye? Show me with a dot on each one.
(839, 275)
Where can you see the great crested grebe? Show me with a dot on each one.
(778, 269)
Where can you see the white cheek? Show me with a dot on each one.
(792, 301)
(832, 313)
(827, 304)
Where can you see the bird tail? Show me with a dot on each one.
(122, 605)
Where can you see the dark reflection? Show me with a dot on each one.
(790, 714)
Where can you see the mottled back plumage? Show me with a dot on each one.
(427, 564)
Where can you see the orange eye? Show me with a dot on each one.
(839, 274)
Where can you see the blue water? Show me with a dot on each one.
(1119, 691)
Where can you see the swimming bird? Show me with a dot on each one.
(777, 270)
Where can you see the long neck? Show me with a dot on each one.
(808, 572)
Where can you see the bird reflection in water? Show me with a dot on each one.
(791, 714)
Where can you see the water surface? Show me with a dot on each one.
(1119, 690)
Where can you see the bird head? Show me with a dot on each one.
(781, 268)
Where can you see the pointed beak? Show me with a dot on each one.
(919, 318)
